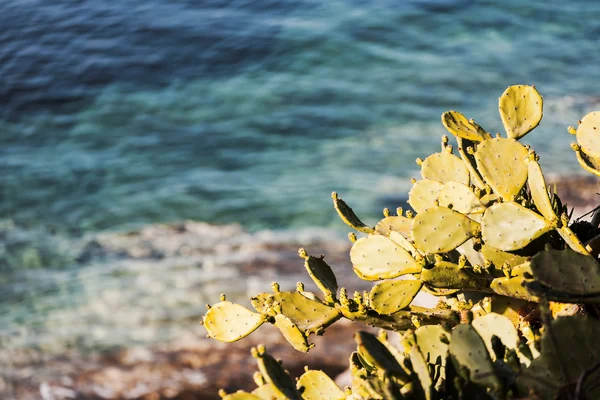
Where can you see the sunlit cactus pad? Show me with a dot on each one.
(497, 248)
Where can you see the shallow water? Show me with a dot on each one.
(120, 115)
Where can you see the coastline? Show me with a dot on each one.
(182, 363)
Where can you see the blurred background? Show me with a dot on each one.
(239, 117)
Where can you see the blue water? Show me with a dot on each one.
(119, 114)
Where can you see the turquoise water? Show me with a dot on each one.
(119, 115)
(146, 111)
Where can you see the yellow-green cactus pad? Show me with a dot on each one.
(495, 324)
(292, 333)
(460, 198)
(588, 163)
(458, 125)
(469, 161)
(348, 216)
(241, 395)
(377, 257)
(468, 351)
(539, 193)
(445, 167)
(513, 287)
(567, 271)
(440, 229)
(309, 315)
(588, 134)
(421, 369)
(503, 165)
(273, 373)
(521, 110)
(268, 391)
(447, 275)
(569, 351)
(398, 223)
(510, 226)
(316, 385)
(321, 273)
(572, 240)
(228, 322)
(429, 340)
(499, 257)
(376, 354)
(405, 243)
(424, 194)
(391, 296)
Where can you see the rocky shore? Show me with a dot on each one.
(182, 260)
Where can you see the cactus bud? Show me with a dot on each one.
(344, 301)
(416, 320)
(419, 161)
(352, 237)
(300, 287)
(275, 287)
(207, 306)
(386, 212)
(259, 380)
(449, 148)
(462, 261)
(399, 211)
(222, 297)
(222, 393)
(413, 180)
(410, 214)
(572, 130)
(302, 253)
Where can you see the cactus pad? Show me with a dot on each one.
(502, 164)
(445, 167)
(499, 257)
(537, 188)
(228, 322)
(513, 287)
(392, 296)
(268, 391)
(590, 164)
(347, 215)
(458, 125)
(309, 315)
(421, 369)
(567, 271)
(440, 229)
(376, 354)
(447, 275)
(316, 385)
(377, 257)
(292, 334)
(569, 350)
(424, 194)
(241, 395)
(469, 353)
(274, 374)
(588, 134)
(521, 109)
(469, 161)
(510, 226)
(498, 325)
(460, 198)
(405, 243)
(321, 274)
(429, 339)
(393, 224)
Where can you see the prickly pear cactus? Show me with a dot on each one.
(495, 245)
